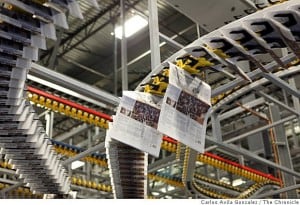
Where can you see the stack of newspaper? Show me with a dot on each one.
(25, 25)
(128, 169)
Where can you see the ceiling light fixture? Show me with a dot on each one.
(132, 26)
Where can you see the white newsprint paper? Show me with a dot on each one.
(136, 122)
(185, 107)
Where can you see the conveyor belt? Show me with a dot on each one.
(25, 25)
(170, 145)
(243, 40)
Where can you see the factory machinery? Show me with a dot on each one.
(253, 54)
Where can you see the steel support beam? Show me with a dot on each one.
(216, 127)
(296, 103)
(281, 83)
(87, 164)
(250, 155)
(242, 136)
(277, 102)
(154, 33)
(99, 136)
(54, 50)
(124, 48)
(79, 65)
(171, 41)
(283, 148)
(69, 92)
(116, 65)
(238, 110)
(77, 130)
(100, 148)
(164, 162)
(71, 86)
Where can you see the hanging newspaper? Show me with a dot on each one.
(136, 122)
(185, 108)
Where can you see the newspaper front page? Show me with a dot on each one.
(185, 108)
(136, 122)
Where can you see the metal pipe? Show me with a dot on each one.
(85, 68)
(282, 84)
(115, 65)
(171, 41)
(251, 155)
(100, 147)
(242, 136)
(154, 33)
(71, 86)
(124, 48)
(268, 97)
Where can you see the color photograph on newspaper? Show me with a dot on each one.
(136, 122)
(185, 109)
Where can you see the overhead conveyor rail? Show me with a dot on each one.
(240, 41)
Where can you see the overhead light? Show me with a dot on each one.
(132, 25)
(76, 164)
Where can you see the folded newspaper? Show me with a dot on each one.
(136, 122)
(185, 107)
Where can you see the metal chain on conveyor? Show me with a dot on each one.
(25, 25)
(67, 108)
(208, 191)
(217, 182)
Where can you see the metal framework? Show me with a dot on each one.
(270, 100)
